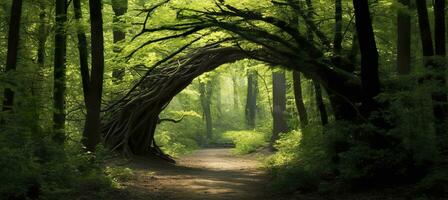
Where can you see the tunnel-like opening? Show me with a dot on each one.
(131, 122)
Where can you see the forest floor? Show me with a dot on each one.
(207, 174)
(217, 174)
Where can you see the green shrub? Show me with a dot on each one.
(119, 173)
(246, 141)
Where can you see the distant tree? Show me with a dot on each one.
(13, 49)
(279, 106)
(205, 92)
(92, 132)
(251, 99)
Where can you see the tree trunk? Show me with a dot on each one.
(235, 93)
(92, 132)
(320, 103)
(251, 100)
(279, 106)
(337, 41)
(60, 50)
(120, 8)
(83, 52)
(425, 31)
(205, 95)
(298, 96)
(404, 39)
(13, 49)
(440, 97)
(369, 56)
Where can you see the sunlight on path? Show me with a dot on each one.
(205, 175)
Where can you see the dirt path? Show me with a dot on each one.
(205, 175)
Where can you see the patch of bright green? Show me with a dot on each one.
(246, 141)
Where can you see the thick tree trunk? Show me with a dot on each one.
(92, 133)
(404, 39)
(60, 50)
(298, 96)
(120, 8)
(205, 95)
(279, 106)
(83, 52)
(251, 100)
(13, 49)
(369, 56)
(320, 103)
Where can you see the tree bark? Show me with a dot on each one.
(298, 96)
(92, 132)
(425, 31)
(251, 100)
(205, 95)
(320, 103)
(236, 100)
(83, 52)
(369, 56)
(337, 41)
(120, 7)
(13, 49)
(60, 51)
(440, 97)
(404, 39)
(279, 106)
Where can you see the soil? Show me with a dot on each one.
(207, 174)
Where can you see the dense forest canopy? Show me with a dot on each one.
(339, 95)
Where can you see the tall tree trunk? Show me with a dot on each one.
(337, 41)
(369, 56)
(13, 49)
(236, 100)
(279, 106)
(120, 8)
(337, 58)
(251, 100)
(205, 95)
(425, 31)
(320, 103)
(82, 49)
(440, 97)
(298, 96)
(92, 132)
(60, 50)
(404, 39)
(217, 89)
(42, 35)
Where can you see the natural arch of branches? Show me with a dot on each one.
(130, 123)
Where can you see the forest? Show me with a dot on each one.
(223, 99)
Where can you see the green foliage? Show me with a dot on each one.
(364, 154)
(119, 173)
(246, 141)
